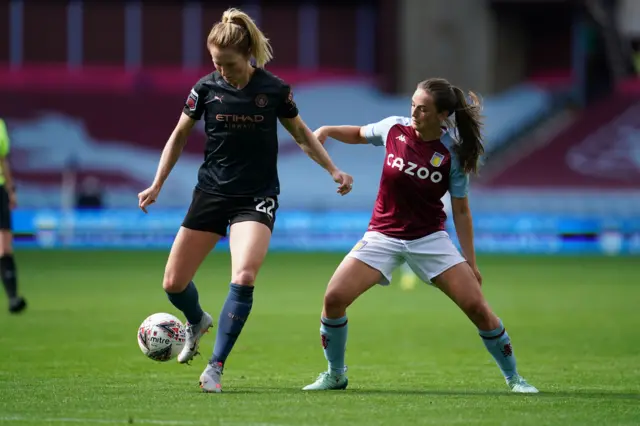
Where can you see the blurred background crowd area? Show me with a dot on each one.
(90, 91)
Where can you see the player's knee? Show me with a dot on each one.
(173, 283)
(6, 240)
(335, 300)
(246, 276)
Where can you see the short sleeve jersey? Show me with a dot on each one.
(4, 147)
(416, 175)
(241, 152)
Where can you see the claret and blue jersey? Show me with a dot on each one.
(416, 174)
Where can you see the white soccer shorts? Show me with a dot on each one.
(428, 257)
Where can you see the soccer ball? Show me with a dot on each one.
(161, 337)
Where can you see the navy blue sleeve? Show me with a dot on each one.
(194, 104)
(287, 107)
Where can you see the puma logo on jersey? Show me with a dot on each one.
(215, 98)
(413, 169)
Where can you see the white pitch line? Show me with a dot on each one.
(96, 421)
(120, 421)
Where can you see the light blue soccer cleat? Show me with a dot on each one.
(518, 384)
(329, 381)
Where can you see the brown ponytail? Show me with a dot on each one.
(468, 120)
(468, 127)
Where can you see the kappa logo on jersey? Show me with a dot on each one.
(436, 160)
(262, 101)
(192, 100)
(402, 138)
(413, 169)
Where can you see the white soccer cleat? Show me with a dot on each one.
(329, 381)
(518, 384)
(211, 377)
(194, 333)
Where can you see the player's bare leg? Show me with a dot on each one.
(461, 285)
(352, 278)
(8, 272)
(249, 243)
(189, 250)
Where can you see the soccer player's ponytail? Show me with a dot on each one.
(468, 121)
(468, 126)
(238, 30)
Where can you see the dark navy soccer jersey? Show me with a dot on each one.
(241, 152)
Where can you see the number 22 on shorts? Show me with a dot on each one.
(265, 205)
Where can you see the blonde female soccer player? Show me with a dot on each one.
(238, 182)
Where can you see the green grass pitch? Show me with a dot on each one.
(413, 358)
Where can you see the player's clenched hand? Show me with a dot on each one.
(321, 135)
(148, 197)
(344, 180)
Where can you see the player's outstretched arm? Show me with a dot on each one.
(173, 148)
(314, 149)
(353, 135)
(463, 222)
(168, 160)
